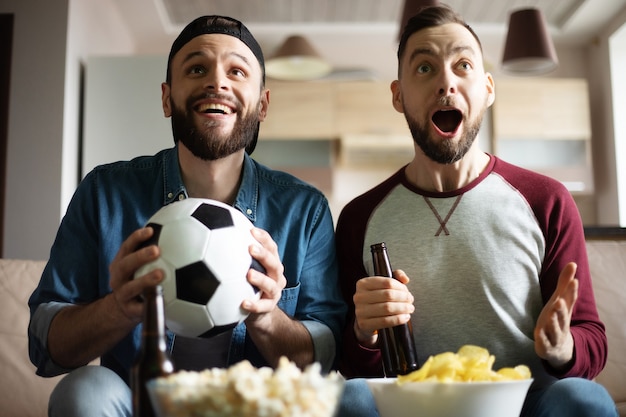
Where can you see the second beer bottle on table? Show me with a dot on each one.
(153, 360)
(396, 343)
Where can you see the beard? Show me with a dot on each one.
(204, 141)
(444, 151)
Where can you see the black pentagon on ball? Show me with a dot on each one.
(213, 217)
(218, 330)
(154, 240)
(195, 283)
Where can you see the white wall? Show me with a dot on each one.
(133, 124)
(617, 49)
(50, 38)
(603, 124)
(35, 132)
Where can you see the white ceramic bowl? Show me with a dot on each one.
(455, 399)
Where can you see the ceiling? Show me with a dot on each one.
(367, 29)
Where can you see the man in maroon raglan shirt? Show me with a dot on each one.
(495, 254)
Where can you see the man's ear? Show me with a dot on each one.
(396, 96)
(491, 89)
(264, 104)
(166, 99)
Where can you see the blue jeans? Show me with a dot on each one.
(569, 397)
(94, 391)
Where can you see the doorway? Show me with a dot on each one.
(6, 44)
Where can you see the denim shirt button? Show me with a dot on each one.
(181, 197)
(249, 211)
(170, 195)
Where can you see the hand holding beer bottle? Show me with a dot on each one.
(396, 343)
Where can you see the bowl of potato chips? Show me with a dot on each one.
(452, 385)
(246, 391)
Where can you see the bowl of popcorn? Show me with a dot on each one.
(243, 390)
(454, 384)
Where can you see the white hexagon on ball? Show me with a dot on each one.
(204, 255)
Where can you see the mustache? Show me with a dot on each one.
(214, 96)
(446, 101)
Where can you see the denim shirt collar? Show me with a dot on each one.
(247, 196)
(173, 186)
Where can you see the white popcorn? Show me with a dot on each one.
(245, 391)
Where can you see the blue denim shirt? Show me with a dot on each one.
(116, 199)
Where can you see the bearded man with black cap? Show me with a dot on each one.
(86, 305)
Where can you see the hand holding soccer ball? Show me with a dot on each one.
(205, 259)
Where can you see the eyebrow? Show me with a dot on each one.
(428, 51)
(194, 54)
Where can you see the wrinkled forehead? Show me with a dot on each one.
(441, 40)
(217, 47)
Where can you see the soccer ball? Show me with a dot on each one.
(204, 255)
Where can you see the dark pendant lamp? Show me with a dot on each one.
(296, 59)
(411, 7)
(528, 49)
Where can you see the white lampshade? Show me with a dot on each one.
(295, 60)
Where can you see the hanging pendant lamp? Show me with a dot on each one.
(296, 59)
(528, 49)
(410, 9)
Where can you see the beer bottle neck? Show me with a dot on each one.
(153, 329)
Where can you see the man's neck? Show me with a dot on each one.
(218, 180)
(432, 176)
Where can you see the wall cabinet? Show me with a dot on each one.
(365, 108)
(329, 110)
(544, 124)
(299, 111)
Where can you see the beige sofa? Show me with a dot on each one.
(24, 394)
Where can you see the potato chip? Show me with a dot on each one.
(469, 363)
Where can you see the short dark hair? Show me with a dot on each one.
(431, 16)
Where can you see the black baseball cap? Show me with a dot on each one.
(206, 25)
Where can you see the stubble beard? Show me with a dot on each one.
(444, 151)
(204, 141)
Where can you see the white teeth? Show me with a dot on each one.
(214, 106)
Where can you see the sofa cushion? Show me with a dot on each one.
(22, 392)
(607, 261)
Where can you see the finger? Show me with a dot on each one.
(567, 275)
(264, 238)
(124, 268)
(380, 283)
(567, 289)
(128, 259)
(378, 290)
(383, 310)
(268, 287)
(133, 241)
(401, 276)
(369, 325)
(570, 295)
(268, 258)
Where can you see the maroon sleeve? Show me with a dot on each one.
(560, 221)
(356, 360)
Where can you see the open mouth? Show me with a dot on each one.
(215, 108)
(447, 120)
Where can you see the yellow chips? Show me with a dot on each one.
(470, 363)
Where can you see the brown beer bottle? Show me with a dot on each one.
(397, 345)
(153, 360)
